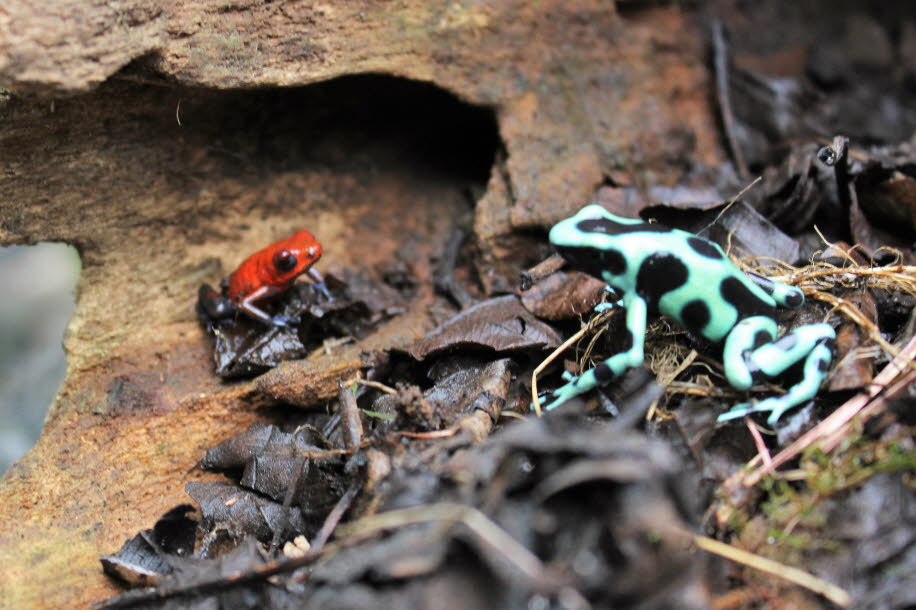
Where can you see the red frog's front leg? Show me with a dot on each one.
(265, 274)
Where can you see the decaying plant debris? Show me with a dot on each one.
(574, 507)
(382, 452)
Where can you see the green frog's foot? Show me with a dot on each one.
(737, 412)
(551, 400)
(775, 406)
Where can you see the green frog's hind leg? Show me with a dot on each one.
(614, 366)
(748, 356)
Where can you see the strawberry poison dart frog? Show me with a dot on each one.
(263, 275)
(690, 279)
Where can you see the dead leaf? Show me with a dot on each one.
(143, 561)
(272, 460)
(563, 295)
(241, 511)
(853, 373)
(245, 347)
(499, 324)
(749, 233)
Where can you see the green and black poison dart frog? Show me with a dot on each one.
(658, 269)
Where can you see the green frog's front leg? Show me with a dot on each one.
(616, 364)
(750, 352)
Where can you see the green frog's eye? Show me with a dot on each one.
(285, 261)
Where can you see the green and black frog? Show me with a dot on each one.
(656, 269)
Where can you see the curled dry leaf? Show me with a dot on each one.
(886, 187)
(891, 201)
(746, 231)
(796, 189)
(144, 560)
(272, 461)
(854, 370)
(245, 347)
(563, 295)
(463, 388)
(841, 254)
(242, 511)
(192, 583)
(499, 324)
(701, 190)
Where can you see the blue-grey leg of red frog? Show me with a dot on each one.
(319, 283)
(752, 350)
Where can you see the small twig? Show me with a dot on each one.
(482, 527)
(327, 345)
(762, 450)
(317, 455)
(535, 401)
(378, 386)
(301, 470)
(352, 425)
(728, 205)
(839, 159)
(595, 322)
(906, 272)
(801, 578)
(878, 402)
(544, 268)
(688, 360)
(334, 517)
(720, 62)
(432, 434)
(846, 253)
(135, 598)
(695, 389)
(330, 344)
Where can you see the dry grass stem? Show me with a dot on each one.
(481, 527)
(432, 434)
(596, 321)
(799, 577)
(666, 377)
(815, 279)
(378, 386)
(762, 450)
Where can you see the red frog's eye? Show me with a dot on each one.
(311, 252)
(285, 261)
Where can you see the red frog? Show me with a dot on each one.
(264, 274)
